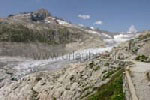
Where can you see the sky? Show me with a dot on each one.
(111, 15)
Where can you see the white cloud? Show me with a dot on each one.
(132, 29)
(84, 16)
(98, 22)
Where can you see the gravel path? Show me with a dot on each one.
(139, 78)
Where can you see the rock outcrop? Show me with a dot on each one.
(22, 32)
(40, 15)
(74, 82)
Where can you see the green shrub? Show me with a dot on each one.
(20, 33)
(142, 58)
(108, 75)
(110, 91)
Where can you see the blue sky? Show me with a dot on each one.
(111, 15)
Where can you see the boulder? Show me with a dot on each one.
(145, 50)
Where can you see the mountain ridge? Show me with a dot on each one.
(45, 29)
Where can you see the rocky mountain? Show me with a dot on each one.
(40, 15)
(75, 82)
(40, 27)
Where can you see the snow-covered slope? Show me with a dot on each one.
(122, 37)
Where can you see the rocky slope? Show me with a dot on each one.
(74, 82)
(40, 27)
(137, 51)
(27, 37)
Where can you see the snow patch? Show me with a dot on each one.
(29, 66)
(106, 35)
(92, 31)
(61, 22)
(123, 37)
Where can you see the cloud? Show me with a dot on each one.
(132, 29)
(98, 22)
(84, 16)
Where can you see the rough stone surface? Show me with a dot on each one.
(71, 83)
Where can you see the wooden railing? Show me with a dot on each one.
(130, 84)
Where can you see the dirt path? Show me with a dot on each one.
(140, 81)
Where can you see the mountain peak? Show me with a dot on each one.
(43, 11)
(40, 14)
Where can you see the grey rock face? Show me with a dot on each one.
(71, 83)
(145, 50)
(40, 15)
